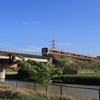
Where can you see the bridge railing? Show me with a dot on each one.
(21, 52)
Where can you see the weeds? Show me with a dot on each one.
(11, 93)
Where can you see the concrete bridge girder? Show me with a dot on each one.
(35, 59)
(7, 61)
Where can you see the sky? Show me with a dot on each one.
(30, 25)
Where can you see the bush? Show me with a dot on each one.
(89, 78)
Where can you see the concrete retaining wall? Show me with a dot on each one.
(85, 71)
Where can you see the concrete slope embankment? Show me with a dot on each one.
(11, 73)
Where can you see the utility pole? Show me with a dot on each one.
(53, 44)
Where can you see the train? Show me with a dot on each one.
(50, 52)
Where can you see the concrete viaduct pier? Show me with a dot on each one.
(2, 74)
(8, 59)
(5, 62)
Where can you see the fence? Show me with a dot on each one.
(55, 89)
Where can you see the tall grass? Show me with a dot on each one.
(11, 93)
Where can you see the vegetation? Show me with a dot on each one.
(66, 61)
(87, 78)
(88, 75)
(44, 73)
(12, 69)
(40, 72)
(12, 93)
(95, 65)
(70, 66)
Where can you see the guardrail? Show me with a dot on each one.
(17, 51)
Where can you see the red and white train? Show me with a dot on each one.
(59, 53)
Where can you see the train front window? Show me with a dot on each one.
(44, 50)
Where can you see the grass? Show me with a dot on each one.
(96, 74)
(86, 76)
(11, 69)
(11, 93)
(78, 64)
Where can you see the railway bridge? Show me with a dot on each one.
(10, 58)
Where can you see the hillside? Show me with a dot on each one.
(72, 66)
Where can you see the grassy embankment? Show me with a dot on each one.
(12, 93)
(87, 78)
(71, 65)
(71, 68)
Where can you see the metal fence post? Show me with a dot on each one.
(99, 94)
(5, 81)
(16, 83)
(34, 86)
(61, 90)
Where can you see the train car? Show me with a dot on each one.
(59, 53)
(49, 52)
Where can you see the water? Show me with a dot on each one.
(81, 91)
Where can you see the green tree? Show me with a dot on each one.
(42, 73)
(66, 61)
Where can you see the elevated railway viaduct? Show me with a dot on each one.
(11, 58)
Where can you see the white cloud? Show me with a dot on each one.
(64, 44)
(95, 44)
(34, 22)
(26, 23)
(34, 48)
(31, 49)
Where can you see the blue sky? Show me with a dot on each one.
(29, 25)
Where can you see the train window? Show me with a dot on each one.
(67, 54)
(44, 50)
(62, 52)
(50, 51)
(54, 51)
(74, 54)
(79, 55)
